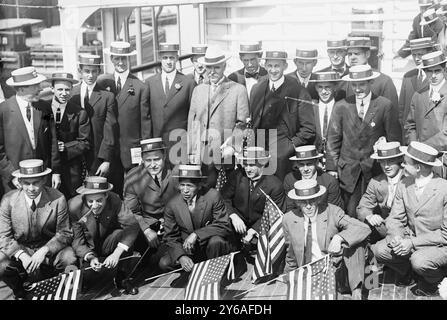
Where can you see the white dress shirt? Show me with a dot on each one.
(29, 201)
(321, 108)
(436, 88)
(366, 101)
(170, 76)
(215, 87)
(392, 186)
(158, 177)
(278, 83)
(304, 81)
(316, 251)
(55, 105)
(421, 183)
(90, 90)
(28, 124)
(123, 76)
(250, 82)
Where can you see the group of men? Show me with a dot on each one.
(179, 166)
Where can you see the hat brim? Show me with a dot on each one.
(155, 149)
(424, 23)
(305, 58)
(423, 47)
(374, 76)
(261, 159)
(107, 51)
(375, 156)
(436, 163)
(257, 51)
(190, 177)
(84, 190)
(294, 158)
(39, 79)
(73, 81)
(276, 58)
(359, 46)
(292, 195)
(331, 80)
(432, 65)
(341, 47)
(202, 61)
(18, 174)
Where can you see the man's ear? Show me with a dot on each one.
(368, 54)
(315, 62)
(286, 65)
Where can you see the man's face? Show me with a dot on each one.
(216, 72)
(253, 170)
(154, 162)
(325, 90)
(32, 186)
(89, 74)
(96, 202)
(30, 93)
(307, 168)
(417, 55)
(308, 207)
(275, 68)
(337, 57)
(305, 67)
(358, 56)
(411, 166)
(361, 88)
(120, 63)
(169, 61)
(62, 90)
(250, 61)
(188, 189)
(436, 74)
(390, 167)
(200, 68)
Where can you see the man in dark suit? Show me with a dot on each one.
(196, 223)
(169, 99)
(250, 54)
(132, 109)
(357, 124)
(99, 105)
(73, 131)
(104, 231)
(5, 90)
(26, 130)
(280, 103)
(305, 61)
(415, 79)
(315, 228)
(199, 74)
(305, 166)
(376, 202)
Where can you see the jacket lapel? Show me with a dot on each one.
(37, 118)
(123, 95)
(430, 190)
(105, 218)
(199, 211)
(258, 108)
(432, 105)
(19, 121)
(95, 96)
(220, 95)
(298, 225)
(45, 209)
(317, 118)
(166, 176)
(184, 214)
(372, 109)
(21, 214)
(173, 90)
(322, 219)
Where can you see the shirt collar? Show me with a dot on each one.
(305, 80)
(313, 219)
(22, 102)
(30, 201)
(219, 82)
(257, 71)
(396, 178)
(366, 100)
(423, 181)
(90, 87)
(323, 105)
(342, 69)
(123, 75)
(437, 87)
(193, 201)
(170, 75)
(278, 83)
(56, 104)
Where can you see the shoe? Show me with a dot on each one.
(405, 280)
(425, 289)
(126, 285)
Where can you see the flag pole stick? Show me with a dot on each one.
(271, 200)
(163, 274)
(259, 285)
(122, 259)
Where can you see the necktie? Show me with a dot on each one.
(166, 86)
(118, 85)
(420, 76)
(156, 181)
(28, 112)
(252, 186)
(200, 79)
(58, 115)
(252, 75)
(391, 192)
(325, 120)
(191, 206)
(88, 108)
(308, 247)
(273, 87)
(33, 206)
(362, 110)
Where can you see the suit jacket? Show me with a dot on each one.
(51, 229)
(171, 112)
(374, 200)
(427, 121)
(227, 109)
(350, 140)
(310, 86)
(410, 85)
(103, 123)
(332, 195)
(144, 198)
(132, 114)
(239, 76)
(250, 207)
(209, 218)
(424, 220)
(416, 32)
(331, 220)
(75, 131)
(115, 216)
(15, 144)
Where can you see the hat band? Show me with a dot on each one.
(306, 154)
(96, 185)
(388, 153)
(328, 77)
(33, 170)
(361, 75)
(189, 173)
(365, 44)
(25, 77)
(90, 61)
(434, 60)
(254, 155)
(249, 48)
(307, 54)
(307, 192)
(420, 154)
(275, 55)
(119, 50)
(336, 44)
(151, 146)
(214, 60)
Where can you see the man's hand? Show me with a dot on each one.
(189, 243)
(55, 180)
(238, 224)
(335, 245)
(375, 220)
(25, 259)
(404, 247)
(111, 261)
(250, 234)
(61, 146)
(37, 258)
(333, 173)
(16, 183)
(152, 238)
(394, 242)
(186, 263)
(103, 169)
(95, 264)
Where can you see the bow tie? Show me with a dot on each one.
(252, 75)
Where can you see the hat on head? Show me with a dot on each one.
(329, 76)
(250, 47)
(199, 49)
(189, 171)
(275, 55)
(94, 185)
(421, 43)
(62, 76)
(387, 150)
(306, 189)
(27, 76)
(306, 54)
(428, 17)
(306, 153)
(433, 59)
(153, 144)
(168, 47)
(90, 60)
(253, 154)
(360, 73)
(425, 3)
(337, 44)
(423, 153)
(120, 48)
(360, 42)
(31, 168)
(214, 55)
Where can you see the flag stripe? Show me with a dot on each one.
(309, 282)
(76, 284)
(67, 286)
(59, 289)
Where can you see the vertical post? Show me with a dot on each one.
(17, 9)
(154, 34)
(179, 33)
(126, 29)
(138, 40)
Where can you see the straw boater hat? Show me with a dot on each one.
(31, 168)
(94, 185)
(421, 43)
(428, 17)
(120, 48)
(360, 42)
(306, 189)
(214, 55)
(423, 153)
(306, 54)
(306, 153)
(63, 76)
(199, 49)
(169, 47)
(250, 47)
(153, 144)
(329, 76)
(360, 73)
(188, 171)
(337, 44)
(387, 150)
(90, 60)
(254, 154)
(432, 59)
(27, 76)
(275, 55)
(425, 3)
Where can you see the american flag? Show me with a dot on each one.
(314, 281)
(205, 278)
(271, 243)
(62, 287)
(221, 179)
